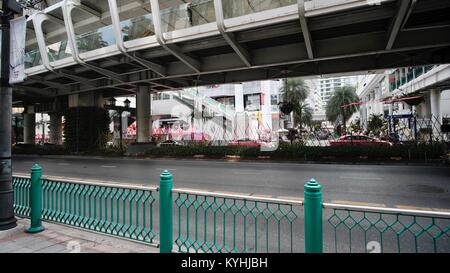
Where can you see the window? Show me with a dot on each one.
(252, 102)
(227, 101)
(273, 99)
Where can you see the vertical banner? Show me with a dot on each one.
(17, 50)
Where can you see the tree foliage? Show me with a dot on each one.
(342, 96)
(355, 125)
(375, 124)
(306, 114)
(86, 128)
(294, 93)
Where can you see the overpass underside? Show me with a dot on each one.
(218, 42)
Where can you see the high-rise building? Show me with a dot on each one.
(327, 86)
(314, 99)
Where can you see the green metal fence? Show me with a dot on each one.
(229, 223)
(385, 230)
(224, 222)
(21, 186)
(121, 210)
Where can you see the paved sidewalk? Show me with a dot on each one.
(62, 239)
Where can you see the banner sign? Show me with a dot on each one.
(17, 50)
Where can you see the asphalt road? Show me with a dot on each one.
(390, 186)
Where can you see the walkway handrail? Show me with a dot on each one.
(387, 210)
(240, 197)
(94, 183)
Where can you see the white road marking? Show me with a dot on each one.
(355, 203)
(247, 173)
(106, 166)
(361, 178)
(413, 207)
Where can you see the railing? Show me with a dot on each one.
(21, 187)
(121, 210)
(368, 229)
(216, 222)
(189, 95)
(223, 222)
(410, 74)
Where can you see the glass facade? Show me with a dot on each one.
(403, 76)
(138, 27)
(96, 39)
(56, 50)
(181, 14)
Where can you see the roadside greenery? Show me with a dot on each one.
(409, 152)
(299, 152)
(86, 129)
(376, 124)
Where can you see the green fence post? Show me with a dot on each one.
(165, 213)
(36, 200)
(313, 217)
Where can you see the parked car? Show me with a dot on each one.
(170, 143)
(359, 140)
(245, 143)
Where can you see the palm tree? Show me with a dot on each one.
(342, 96)
(305, 115)
(294, 92)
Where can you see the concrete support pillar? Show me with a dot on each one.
(198, 113)
(29, 125)
(87, 99)
(143, 114)
(55, 135)
(266, 107)
(435, 104)
(241, 119)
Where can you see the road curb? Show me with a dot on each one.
(231, 158)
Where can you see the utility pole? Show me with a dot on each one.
(7, 219)
(43, 123)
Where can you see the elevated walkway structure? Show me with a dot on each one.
(112, 46)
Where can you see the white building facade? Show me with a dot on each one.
(420, 92)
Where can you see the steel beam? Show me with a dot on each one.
(305, 29)
(67, 7)
(90, 10)
(194, 64)
(359, 44)
(396, 24)
(54, 19)
(229, 36)
(114, 12)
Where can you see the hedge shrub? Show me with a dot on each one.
(86, 128)
(416, 152)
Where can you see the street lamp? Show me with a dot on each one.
(111, 105)
(127, 103)
(7, 220)
(112, 101)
